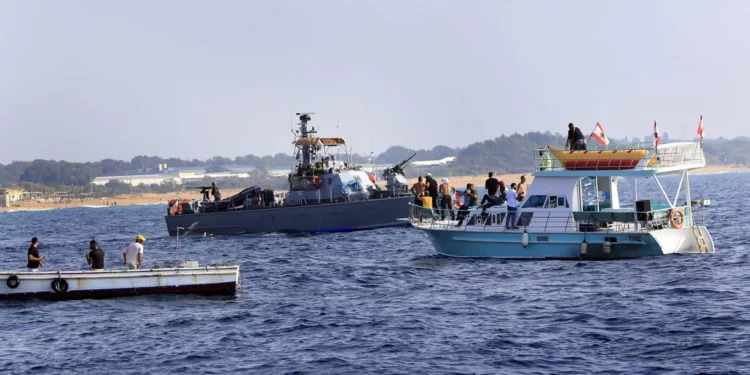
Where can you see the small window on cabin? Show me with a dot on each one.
(552, 203)
(562, 202)
(535, 201)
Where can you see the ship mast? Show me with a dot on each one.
(304, 117)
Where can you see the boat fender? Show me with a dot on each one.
(584, 247)
(525, 238)
(607, 247)
(13, 282)
(317, 182)
(60, 285)
(676, 222)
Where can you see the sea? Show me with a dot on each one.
(382, 302)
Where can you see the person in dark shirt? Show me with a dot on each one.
(473, 198)
(432, 189)
(215, 192)
(34, 261)
(576, 140)
(95, 257)
(491, 184)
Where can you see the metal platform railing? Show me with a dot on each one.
(638, 156)
(578, 221)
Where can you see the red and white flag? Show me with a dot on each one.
(599, 135)
(700, 128)
(657, 138)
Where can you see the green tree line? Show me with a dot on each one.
(504, 154)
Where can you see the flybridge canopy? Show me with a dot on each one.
(315, 140)
(643, 160)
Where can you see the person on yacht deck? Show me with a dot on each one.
(576, 140)
(510, 218)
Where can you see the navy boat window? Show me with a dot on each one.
(354, 185)
(535, 201)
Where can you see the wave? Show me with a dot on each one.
(28, 210)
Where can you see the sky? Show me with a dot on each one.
(89, 80)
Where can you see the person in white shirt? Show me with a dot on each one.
(510, 218)
(133, 254)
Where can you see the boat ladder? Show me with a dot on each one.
(702, 245)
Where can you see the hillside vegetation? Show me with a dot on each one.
(504, 154)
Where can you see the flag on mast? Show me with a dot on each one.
(657, 138)
(700, 128)
(599, 135)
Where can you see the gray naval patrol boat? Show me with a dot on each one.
(325, 195)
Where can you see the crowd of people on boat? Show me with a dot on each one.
(427, 193)
(132, 256)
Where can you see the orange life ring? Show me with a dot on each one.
(673, 220)
(318, 183)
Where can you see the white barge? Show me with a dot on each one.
(66, 285)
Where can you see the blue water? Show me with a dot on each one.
(381, 302)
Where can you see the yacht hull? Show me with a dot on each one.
(545, 245)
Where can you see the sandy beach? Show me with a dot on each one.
(120, 200)
(163, 198)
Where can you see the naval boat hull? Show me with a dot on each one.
(311, 218)
(71, 285)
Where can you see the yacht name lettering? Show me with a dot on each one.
(635, 238)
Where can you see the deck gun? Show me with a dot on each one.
(398, 168)
(204, 190)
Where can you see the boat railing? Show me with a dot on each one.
(555, 222)
(637, 156)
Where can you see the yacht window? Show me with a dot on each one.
(552, 202)
(556, 202)
(535, 201)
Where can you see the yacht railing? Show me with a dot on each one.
(540, 222)
(637, 156)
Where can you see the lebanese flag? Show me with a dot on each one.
(599, 135)
(458, 201)
(700, 128)
(657, 138)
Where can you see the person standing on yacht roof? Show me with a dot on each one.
(510, 218)
(576, 140)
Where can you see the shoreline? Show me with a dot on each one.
(163, 198)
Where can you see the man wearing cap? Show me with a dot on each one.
(95, 257)
(133, 254)
(446, 200)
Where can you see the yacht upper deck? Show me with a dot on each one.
(631, 160)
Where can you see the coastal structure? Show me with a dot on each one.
(573, 210)
(8, 196)
(325, 194)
